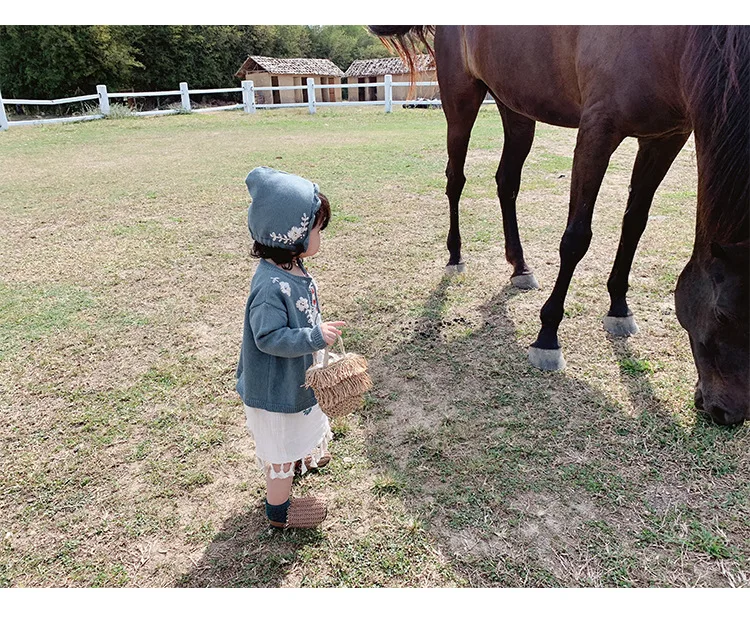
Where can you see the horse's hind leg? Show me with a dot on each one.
(652, 162)
(597, 140)
(461, 107)
(519, 135)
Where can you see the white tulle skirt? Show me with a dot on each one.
(284, 438)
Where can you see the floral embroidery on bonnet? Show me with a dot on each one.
(293, 235)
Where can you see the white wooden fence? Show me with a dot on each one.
(248, 104)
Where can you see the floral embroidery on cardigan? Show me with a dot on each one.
(303, 304)
(309, 310)
(286, 288)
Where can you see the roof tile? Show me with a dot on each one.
(387, 66)
(291, 66)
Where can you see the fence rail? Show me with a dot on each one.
(51, 102)
(249, 103)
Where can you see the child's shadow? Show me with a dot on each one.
(246, 552)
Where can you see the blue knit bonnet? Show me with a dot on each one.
(283, 208)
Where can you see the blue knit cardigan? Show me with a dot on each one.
(281, 332)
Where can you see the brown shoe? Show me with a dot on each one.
(303, 512)
(322, 462)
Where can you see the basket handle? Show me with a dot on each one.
(340, 342)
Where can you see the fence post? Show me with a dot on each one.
(3, 117)
(311, 95)
(101, 90)
(388, 93)
(185, 96)
(248, 96)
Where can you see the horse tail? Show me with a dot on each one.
(717, 88)
(406, 41)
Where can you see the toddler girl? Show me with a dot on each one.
(282, 331)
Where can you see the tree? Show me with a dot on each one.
(344, 44)
(37, 62)
(170, 54)
(59, 61)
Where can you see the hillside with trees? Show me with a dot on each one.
(47, 62)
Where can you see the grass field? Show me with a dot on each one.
(124, 460)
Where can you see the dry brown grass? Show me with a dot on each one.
(124, 460)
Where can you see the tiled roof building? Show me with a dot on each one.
(367, 72)
(280, 73)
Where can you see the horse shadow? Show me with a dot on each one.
(523, 477)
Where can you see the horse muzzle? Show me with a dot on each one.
(718, 411)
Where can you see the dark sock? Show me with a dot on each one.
(277, 513)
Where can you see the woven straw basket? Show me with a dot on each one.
(339, 382)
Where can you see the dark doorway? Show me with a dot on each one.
(372, 90)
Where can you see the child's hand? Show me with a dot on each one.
(331, 331)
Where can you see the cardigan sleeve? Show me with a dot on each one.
(272, 335)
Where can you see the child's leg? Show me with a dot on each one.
(282, 511)
(278, 489)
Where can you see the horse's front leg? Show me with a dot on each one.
(461, 106)
(518, 137)
(458, 144)
(597, 140)
(652, 162)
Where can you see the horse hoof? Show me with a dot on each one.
(452, 270)
(547, 359)
(524, 281)
(620, 326)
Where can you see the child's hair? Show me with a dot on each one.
(286, 258)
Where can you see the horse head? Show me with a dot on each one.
(712, 304)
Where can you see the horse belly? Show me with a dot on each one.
(630, 73)
(529, 69)
(553, 74)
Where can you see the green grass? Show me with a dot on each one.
(124, 459)
(632, 366)
(30, 314)
(680, 531)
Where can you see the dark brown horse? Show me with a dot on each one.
(657, 84)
